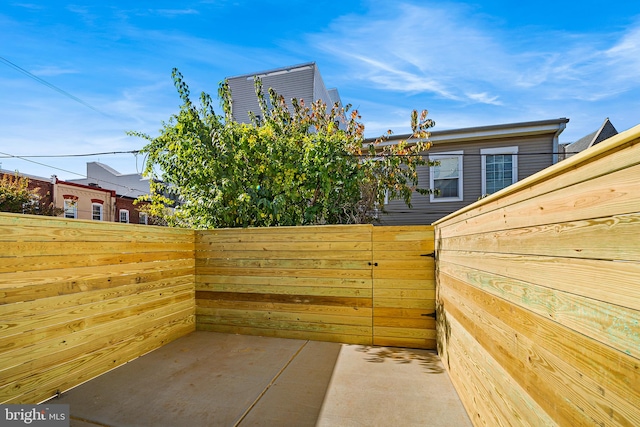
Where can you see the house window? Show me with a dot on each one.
(499, 168)
(124, 215)
(96, 211)
(143, 218)
(70, 208)
(446, 178)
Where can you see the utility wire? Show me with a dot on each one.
(71, 155)
(50, 86)
(71, 172)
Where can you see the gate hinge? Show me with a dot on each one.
(431, 255)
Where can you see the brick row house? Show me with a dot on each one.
(89, 201)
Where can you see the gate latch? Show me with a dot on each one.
(431, 255)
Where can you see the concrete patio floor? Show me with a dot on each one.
(212, 379)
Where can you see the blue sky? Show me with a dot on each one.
(469, 63)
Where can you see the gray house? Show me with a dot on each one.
(130, 185)
(604, 132)
(302, 82)
(474, 162)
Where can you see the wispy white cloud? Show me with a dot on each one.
(175, 12)
(52, 70)
(445, 50)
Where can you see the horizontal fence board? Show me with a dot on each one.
(488, 392)
(423, 322)
(615, 326)
(283, 272)
(48, 324)
(608, 281)
(614, 370)
(404, 303)
(46, 384)
(529, 362)
(206, 282)
(616, 154)
(286, 298)
(78, 298)
(395, 293)
(20, 226)
(316, 246)
(412, 246)
(318, 264)
(53, 262)
(289, 325)
(394, 283)
(328, 310)
(282, 333)
(613, 194)
(84, 248)
(400, 332)
(289, 290)
(286, 254)
(268, 315)
(65, 302)
(21, 363)
(539, 294)
(425, 344)
(19, 288)
(613, 237)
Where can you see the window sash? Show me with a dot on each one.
(70, 208)
(446, 178)
(96, 212)
(499, 168)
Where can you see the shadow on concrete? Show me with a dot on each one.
(428, 359)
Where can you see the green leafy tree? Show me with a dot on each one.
(308, 165)
(17, 197)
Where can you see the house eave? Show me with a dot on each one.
(510, 130)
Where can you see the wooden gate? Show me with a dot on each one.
(404, 287)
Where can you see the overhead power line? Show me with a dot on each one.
(50, 85)
(7, 155)
(45, 156)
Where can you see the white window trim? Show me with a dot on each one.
(432, 197)
(145, 216)
(93, 205)
(499, 150)
(125, 211)
(74, 205)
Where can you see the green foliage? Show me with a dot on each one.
(295, 167)
(17, 197)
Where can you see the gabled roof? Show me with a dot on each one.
(605, 131)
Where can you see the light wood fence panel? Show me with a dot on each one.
(354, 284)
(292, 282)
(404, 287)
(538, 294)
(78, 298)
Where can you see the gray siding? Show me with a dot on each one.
(296, 83)
(425, 212)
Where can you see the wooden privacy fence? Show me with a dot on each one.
(78, 298)
(539, 294)
(354, 284)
